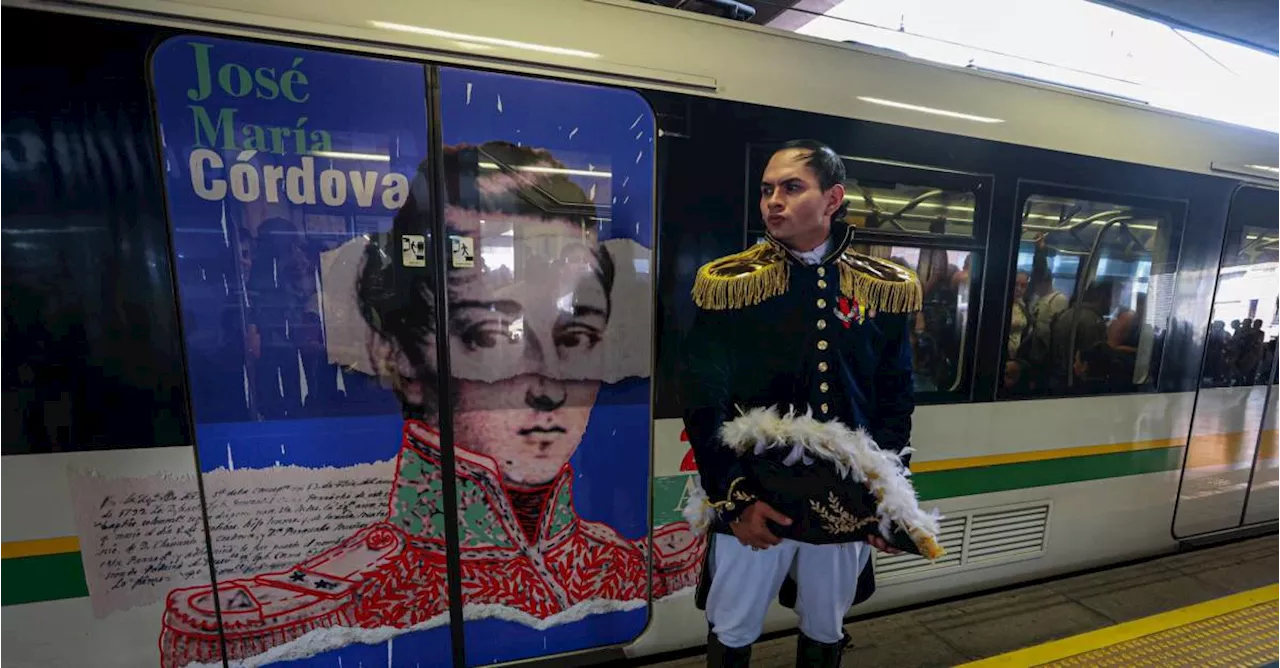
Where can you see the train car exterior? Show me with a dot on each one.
(226, 434)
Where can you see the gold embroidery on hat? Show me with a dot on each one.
(835, 519)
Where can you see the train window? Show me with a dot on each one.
(93, 359)
(934, 222)
(903, 202)
(909, 209)
(941, 328)
(941, 340)
(1241, 345)
(1092, 295)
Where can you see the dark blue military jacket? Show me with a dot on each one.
(831, 338)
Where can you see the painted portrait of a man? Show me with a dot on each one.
(539, 319)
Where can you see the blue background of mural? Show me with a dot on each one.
(376, 106)
(612, 464)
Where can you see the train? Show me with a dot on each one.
(351, 334)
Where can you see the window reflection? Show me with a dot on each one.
(499, 254)
(939, 331)
(1241, 345)
(878, 206)
(1092, 297)
(910, 208)
(927, 220)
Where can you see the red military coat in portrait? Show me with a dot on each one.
(392, 574)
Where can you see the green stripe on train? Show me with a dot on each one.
(669, 492)
(59, 576)
(45, 578)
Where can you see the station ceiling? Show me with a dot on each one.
(1249, 22)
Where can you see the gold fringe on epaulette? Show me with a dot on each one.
(878, 294)
(723, 285)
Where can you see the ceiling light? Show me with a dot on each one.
(480, 39)
(341, 155)
(1255, 171)
(472, 46)
(552, 170)
(930, 110)
(904, 202)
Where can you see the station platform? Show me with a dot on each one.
(1209, 607)
(1237, 630)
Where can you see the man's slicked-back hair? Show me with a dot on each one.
(826, 164)
(822, 159)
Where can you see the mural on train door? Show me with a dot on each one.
(299, 198)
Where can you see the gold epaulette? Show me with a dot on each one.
(762, 271)
(880, 285)
(742, 279)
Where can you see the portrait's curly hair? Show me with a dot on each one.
(398, 303)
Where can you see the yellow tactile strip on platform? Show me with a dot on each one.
(1237, 630)
(1242, 638)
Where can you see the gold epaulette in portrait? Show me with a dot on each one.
(742, 279)
(880, 285)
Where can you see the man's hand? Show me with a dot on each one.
(751, 529)
(882, 545)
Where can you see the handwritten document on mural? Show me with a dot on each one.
(142, 537)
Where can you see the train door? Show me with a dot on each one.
(1229, 472)
(1263, 502)
(548, 204)
(416, 309)
(285, 171)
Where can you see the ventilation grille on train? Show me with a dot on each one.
(977, 537)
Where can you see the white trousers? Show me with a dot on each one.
(744, 582)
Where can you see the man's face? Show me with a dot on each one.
(524, 349)
(795, 209)
(1020, 285)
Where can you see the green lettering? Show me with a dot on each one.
(268, 89)
(203, 80)
(300, 135)
(277, 140)
(221, 135)
(321, 141)
(254, 138)
(243, 81)
(294, 77)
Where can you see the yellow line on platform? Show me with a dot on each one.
(39, 548)
(1120, 633)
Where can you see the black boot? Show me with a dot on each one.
(719, 656)
(812, 654)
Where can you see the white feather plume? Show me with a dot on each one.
(853, 452)
(697, 508)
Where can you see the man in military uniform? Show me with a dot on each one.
(819, 334)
